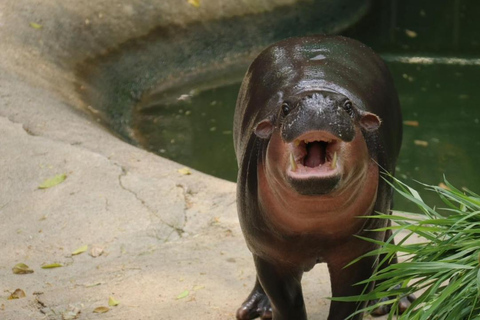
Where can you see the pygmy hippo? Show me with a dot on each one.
(317, 121)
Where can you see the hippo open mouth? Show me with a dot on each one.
(314, 155)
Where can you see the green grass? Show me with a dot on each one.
(442, 269)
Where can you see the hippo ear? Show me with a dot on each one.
(264, 129)
(369, 121)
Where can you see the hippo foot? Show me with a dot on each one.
(403, 305)
(256, 305)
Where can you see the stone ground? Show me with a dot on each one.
(162, 233)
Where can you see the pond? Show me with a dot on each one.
(436, 68)
(441, 132)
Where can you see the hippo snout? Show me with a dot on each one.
(318, 111)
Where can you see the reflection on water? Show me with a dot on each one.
(194, 129)
(441, 134)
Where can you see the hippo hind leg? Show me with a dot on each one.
(403, 303)
(256, 305)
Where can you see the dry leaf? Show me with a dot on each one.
(21, 268)
(100, 310)
(59, 178)
(52, 265)
(195, 3)
(411, 123)
(2, 307)
(182, 295)
(185, 171)
(410, 33)
(421, 143)
(196, 288)
(71, 314)
(35, 25)
(17, 294)
(82, 249)
(112, 302)
(96, 251)
(89, 285)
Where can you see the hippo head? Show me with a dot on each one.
(316, 141)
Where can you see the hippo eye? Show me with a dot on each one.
(348, 107)
(285, 108)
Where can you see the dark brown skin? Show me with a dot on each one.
(317, 120)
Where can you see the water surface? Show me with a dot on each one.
(433, 52)
(441, 134)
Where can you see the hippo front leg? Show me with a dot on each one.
(282, 284)
(257, 305)
(343, 282)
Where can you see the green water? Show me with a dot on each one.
(443, 99)
(440, 94)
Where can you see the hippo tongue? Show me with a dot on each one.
(315, 154)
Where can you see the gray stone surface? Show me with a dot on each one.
(161, 232)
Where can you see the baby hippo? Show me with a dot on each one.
(317, 121)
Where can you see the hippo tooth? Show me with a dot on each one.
(334, 161)
(293, 164)
(296, 143)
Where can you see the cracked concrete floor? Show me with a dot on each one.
(162, 233)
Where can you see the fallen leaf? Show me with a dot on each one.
(82, 249)
(184, 97)
(411, 123)
(185, 171)
(96, 251)
(71, 314)
(89, 285)
(59, 178)
(2, 307)
(421, 143)
(52, 265)
(112, 302)
(182, 295)
(35, 25)
(196, 288)
(17, 294)
(410, 33)
(100, 310)
(21, 268)
(195, 3)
